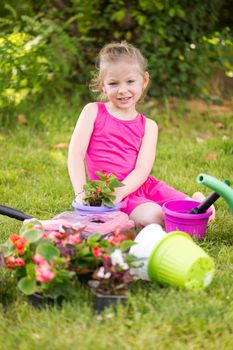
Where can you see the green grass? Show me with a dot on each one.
(34, 178)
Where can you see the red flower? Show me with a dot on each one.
(44, 235)
(106, 258)
(96, 251)
(99, 190)
(14, 261)
(19, 262)
(108, 174)
(19, 242)
(116, 238)
(14, 238)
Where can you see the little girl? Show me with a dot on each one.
(112, 136)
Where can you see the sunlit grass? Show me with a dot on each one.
(34, 179)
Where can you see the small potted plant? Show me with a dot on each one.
(99, 194)
(42, 271)
(110, 281)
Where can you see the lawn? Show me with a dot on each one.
(34, 179)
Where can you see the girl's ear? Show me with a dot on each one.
(146, 80)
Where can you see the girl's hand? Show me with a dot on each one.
(119, 195)
(79, 198)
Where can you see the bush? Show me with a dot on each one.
(179, 39)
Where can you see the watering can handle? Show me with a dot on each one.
(207, 202)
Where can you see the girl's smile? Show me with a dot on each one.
(123, 84)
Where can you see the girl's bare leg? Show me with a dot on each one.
(147, 213)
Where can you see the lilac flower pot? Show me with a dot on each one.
(92, 209)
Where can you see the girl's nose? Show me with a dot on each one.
(122, 88)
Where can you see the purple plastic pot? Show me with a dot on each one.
(91, 209)
(177, 217)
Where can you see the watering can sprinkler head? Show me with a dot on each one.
(222, 188)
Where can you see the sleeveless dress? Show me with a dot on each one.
(114, 147)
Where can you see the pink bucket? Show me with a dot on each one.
(177, 217)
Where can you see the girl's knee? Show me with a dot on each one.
(147, 214)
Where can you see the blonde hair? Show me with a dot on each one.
(112, 53)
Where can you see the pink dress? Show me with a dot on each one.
(114, 147)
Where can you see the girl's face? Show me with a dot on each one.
(124, 83)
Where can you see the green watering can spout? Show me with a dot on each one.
(222, 188)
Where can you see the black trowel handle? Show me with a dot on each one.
(205, 204)
(14, 213)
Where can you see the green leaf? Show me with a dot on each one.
(47, 251)
(116, 183)
(100, 175)
(171, 12)
(118, 15)
(64, 274)
(27, 285)
(95, 237)
(108, 202)
(7, 248)
(106, 190)
(84, 252)
(31, 225)
(30, 268)
(125, 245)
(32, 235)
(65, 289)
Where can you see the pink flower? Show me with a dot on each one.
(72, 239)
(96, 251)
(56, 236)
(38, 259)
(44, 273)
(10, 259)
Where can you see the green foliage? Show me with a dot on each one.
(47, 251)
(24, 67)
(181, 41)
(27, 285)
(30, 56)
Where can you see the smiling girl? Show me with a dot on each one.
(112, 136)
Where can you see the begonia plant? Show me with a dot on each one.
(101, 192)
(50, 263)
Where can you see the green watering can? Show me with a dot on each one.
(222, 188)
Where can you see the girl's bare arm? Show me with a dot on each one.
(78, 147)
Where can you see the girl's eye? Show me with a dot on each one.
(130, 81)
(112, 84)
